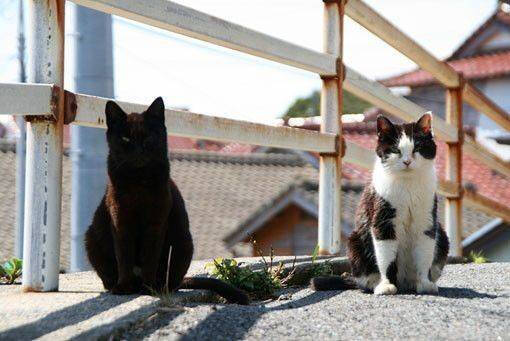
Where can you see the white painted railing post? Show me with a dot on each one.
(330, 192)
(453, 208)
(41, 245)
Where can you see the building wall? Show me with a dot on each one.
(277, 233)
(292, 232)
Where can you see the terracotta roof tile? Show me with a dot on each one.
(478, 67)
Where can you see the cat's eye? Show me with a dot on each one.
(125, 139)
(395, 151)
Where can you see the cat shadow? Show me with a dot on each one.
(64, 317)
(451, 292)
(457, 293)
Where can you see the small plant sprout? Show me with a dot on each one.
(477, 257)
(10, 271)
(319, 269)
(258, 284)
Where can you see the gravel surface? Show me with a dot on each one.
(473, 304)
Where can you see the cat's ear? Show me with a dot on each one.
(156, 110)
(384, 126)
(114, 114)
(424, 124)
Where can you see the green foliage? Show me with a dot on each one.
(477, 257)
(11, 270)
(259, 284)
(310, 106)
(319, 269)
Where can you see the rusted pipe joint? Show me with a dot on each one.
(70, 107)
(340, 147)
(340, 71)
(462, 83)
(53, 115)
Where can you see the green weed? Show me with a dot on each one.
(477, 257)
(10, 271)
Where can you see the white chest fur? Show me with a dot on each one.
(412, 196)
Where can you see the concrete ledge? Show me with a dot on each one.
(82, 310)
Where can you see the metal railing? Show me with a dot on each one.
(48, 107)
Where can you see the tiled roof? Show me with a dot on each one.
(220, 190)
(478, 67)
(223, 190)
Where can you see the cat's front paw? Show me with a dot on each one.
(385, 288)
(426, 287)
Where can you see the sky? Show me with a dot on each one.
(211, 80)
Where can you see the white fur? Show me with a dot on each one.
(410, 190)
(385, 253)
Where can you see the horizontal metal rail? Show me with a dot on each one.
(486, 205)
(26, 99)
(482, 154)
(90, 112)
(378, 25)
(180, 19)
(39, 99)
(480, 102)
(382, 97)
(445, 74)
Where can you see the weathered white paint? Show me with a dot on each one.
(90, 112)
(41, 247)
(359, 155)
(453, 206)
(330, 166)
(25, 99)
(180, 19)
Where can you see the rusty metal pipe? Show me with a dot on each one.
(41, 244)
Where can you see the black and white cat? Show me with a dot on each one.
(398, 243)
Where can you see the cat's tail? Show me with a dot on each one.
(324, 283)
(225, 290)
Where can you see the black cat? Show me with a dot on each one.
(142, 217)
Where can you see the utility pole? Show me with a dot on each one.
(93, 76)
(21, 149)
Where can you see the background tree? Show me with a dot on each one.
(310, 106)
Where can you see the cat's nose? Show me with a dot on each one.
(407, 162)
